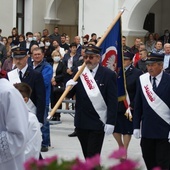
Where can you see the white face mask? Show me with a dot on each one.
(56, 58)
(34, 38)
(30, 39)
(47, 44)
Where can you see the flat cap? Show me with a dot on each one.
(19, 52)
(92, 49)
(154, 57)
(127, 55)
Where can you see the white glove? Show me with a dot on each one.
(169, 137)
(71, 82)
(136, 133)
(108, 129)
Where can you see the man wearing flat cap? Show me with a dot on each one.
(96, 102)
(23, 73)
(152, 114)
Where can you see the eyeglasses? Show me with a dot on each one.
(89, 56)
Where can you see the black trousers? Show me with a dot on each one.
(91, 141)
(156, 152)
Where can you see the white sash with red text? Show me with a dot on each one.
(94, 94)
(153, 99)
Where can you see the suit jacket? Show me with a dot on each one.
(65, 61)
(60, 72)
(86, 116)
(132, 74)
(36, 82)
(152, 125)
(23, 45)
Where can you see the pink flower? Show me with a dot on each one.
(125, 165)
(32, 162)
(47, 161)
(118, 154)
(89, 164)
(157, 168)
(93, 162)
(79, 165)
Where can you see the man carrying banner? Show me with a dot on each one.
(152, 112)
(96, 102)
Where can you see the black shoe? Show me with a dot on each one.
(74, 134)
(53, 119)
(44, 149)
(57, 118)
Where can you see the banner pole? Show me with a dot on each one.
(82, 67)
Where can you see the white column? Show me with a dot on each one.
(28, 20)
(14, 13)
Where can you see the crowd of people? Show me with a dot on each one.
(42, 66)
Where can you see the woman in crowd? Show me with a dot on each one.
(47, 50)
(150, 43)
(15, 37)
(7, 45)
(57, 81)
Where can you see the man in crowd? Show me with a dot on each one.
(96, 102)
(135, 48)
(152, 114)
(23, 73)
(125, 47)
(56, 36)
(166, 65)
(43, 67)
(158, 48)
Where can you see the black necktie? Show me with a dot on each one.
(154, 83)
(20, 75)
(91, 71)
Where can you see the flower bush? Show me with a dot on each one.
(53, 163)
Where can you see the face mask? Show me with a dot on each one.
(56, 59)
(30, 39)
(167, 34)
(47, 44)
(34, 38)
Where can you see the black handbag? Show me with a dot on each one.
(59, 88)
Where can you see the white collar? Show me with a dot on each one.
(23, 70)
(95, 70)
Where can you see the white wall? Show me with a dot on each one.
(7, 16)
(38, 15)
(98, 15)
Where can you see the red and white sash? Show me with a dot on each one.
(94, 94)
(153, 99)
(128, 113)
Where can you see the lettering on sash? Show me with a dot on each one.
(149, 93)
(88, 81)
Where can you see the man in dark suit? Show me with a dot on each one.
(152, 114)
(29, 42)
(96, 102)
(34, 79)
